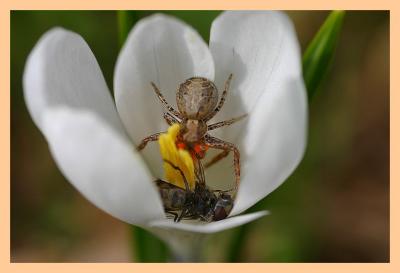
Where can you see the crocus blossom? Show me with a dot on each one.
(93, 138)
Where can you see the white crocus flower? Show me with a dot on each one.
(93, 139)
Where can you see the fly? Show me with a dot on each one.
(202, 203)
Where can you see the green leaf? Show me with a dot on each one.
(320, 51)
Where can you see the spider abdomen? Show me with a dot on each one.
(196, 98)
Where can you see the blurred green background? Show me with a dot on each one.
(334, 208)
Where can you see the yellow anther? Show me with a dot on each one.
(179, 157)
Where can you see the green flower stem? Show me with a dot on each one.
(147, 248)
(235, 247)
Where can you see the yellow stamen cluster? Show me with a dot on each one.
(179, 157)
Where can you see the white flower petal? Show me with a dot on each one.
(274, 144)
(252, 45)
(62, 71)
(262, 52)
(86, 137)
(209, 227)
(163, 50)
(102, 165)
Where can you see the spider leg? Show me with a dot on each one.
(170, 119)
(222, 100)
(216, 143)
(164, 101)
(199, 171)
(225, 122)
(153, 137)
(217, 158)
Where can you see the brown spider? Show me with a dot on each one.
(197, 100)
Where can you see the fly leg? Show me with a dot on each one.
(173, 214)
(184, 213)
(181, 173)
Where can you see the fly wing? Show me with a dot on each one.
(172, 196)
(161, 184)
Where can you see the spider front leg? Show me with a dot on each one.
(153, 137)
(164, 101)
(216, 143)
(170, 119)
(225, 122)
(222, 100)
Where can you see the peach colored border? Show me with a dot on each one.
(7, 5)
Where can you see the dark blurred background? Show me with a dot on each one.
(334, 208)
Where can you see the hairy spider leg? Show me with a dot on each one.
(216, 143)
(170, 119)
(217, 158)
(225, 122)
(153, 137)
(222, 100)
(164, 101)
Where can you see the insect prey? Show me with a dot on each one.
(202, 203)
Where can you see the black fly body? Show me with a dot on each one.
(200, 204)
